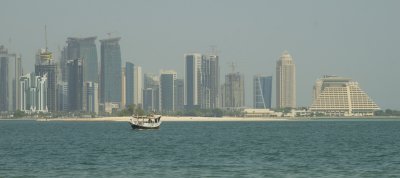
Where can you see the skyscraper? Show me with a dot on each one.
(45, 65)
(192, 80)
(285, 82)
(84, 49)
(33, 93)
(137, 86)
(91, 97)
(110, 71)
(151, 92)
(75, 84)
(10, 71)
(262, 91)
(234, 90)
(123, 88)
(179, 96)
(129, 83)
(62, 97)
(167, 91)
(210, 82)
(149, 99)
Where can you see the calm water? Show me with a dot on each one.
(201, 149)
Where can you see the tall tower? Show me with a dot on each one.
(234, 90)
(75, 84)
(138, 86)
(192, 98)
(179, 90)
(84, 49)
(167, 91)
(110, 71)
(262, 91)
(129, 83)
(210, 82)
(123, 88)
(10, 71)
(45, 65)
(285, 82)
(151, 92)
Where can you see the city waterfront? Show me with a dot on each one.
(313, 148)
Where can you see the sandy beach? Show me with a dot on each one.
(168, 119)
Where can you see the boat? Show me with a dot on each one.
(145, 122)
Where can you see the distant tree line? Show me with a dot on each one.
(387, 112)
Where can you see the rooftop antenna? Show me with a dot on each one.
(213, 49)
(45, 36)
(233, 67)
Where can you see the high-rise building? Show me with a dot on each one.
(234, 90)
(151, 93)
(84, 49)
(192, 80)
(75, 84)
(91, 97)
(137, 86)
(62, 98)
(45, 65)
(10, 71)
(285, 82)
(151, 80)
(167, 92)
(123, 88)
(149, 99)
(201, 81)
(210, 82)
(179, 96)
(33, 93)
(110, 71)
(338, 96)
(262, 91)
(129, 83)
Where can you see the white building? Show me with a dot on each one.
(261, 113)
(285, 82)
(338, 96)
(91, 97)
(138, 86)
(33, 93)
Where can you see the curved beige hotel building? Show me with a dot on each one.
(339, 96)
(285, 82)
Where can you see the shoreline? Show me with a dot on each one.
(207, 119)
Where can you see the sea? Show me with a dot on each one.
(313, 148)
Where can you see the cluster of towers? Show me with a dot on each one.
(77, 82)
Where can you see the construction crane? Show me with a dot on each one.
(110, 33)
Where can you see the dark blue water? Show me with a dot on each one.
(201, 149)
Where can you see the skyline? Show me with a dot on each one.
(335, 38)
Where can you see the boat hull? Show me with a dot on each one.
(135, 126)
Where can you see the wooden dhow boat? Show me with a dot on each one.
(145, 122)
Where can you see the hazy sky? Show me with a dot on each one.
(356, 39)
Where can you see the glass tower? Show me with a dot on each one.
(85, 49)
(110, 71)
(262, 91)
(129, 82)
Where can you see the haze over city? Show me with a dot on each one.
(355, 39)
